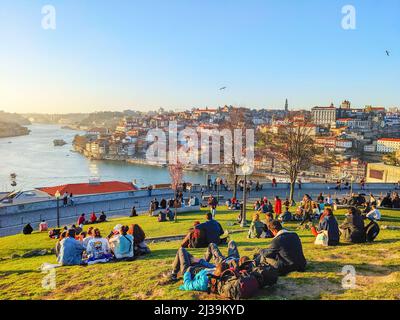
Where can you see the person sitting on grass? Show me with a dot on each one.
(195, 238)
(285, 252)
(43, 226)
(93, 218)
(264, 208)
(70, 250)
(374, 214)
(78, 229)
(212, 229)
(133, 212)
(122, 244)
(102, 217)
(307, 209)
(139, 238)
(352, 229)
(89, 236)
(256, 227)
(62, 236)
(328, 223)
(286, 216)
(98, 249)
(27, 229)
(81, 220)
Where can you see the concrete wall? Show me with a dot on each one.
(390, 174)
(14, 217)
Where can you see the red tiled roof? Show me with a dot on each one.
(389, 139)
(86, 188)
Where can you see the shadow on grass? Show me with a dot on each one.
(336, 267)
(17, 272)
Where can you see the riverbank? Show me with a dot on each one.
(9, 130)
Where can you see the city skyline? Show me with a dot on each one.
(178, 55)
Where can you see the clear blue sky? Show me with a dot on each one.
(177, 53)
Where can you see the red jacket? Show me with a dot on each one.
(93, 217)
(278, 206)
(81, 220)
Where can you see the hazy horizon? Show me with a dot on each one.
(177, 55)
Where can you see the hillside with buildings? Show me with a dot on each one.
(14, 118)
(11, 129)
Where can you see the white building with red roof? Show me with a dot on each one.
(387, 145)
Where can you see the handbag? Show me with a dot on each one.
(322, 239)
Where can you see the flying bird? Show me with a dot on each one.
(223, 88)
(387, 53)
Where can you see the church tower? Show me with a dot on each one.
(286, 106)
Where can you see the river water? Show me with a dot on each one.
(37, 163)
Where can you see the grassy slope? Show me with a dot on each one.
(377, 266)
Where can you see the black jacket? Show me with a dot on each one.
(212, 231)
(353, 228)
(287, 250)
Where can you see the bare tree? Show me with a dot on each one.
(294, 151)
(237, 120)
(176, 173)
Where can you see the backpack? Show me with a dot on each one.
(322, 239)
(371, 231)
(234, 285)
(265, 274)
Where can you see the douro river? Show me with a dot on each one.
(38, 163)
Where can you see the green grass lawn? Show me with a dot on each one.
(377, 266)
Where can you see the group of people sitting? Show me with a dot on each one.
(202, 234)
(77, 247)
(54, 233)
(391, 200)
(233, 204)
(167, 208)
(219, 274)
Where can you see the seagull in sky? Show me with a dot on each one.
(223, 88)
(387, 53)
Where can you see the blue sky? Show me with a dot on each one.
(177, 53)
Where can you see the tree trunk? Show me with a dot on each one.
(291, 194)
(235, 187)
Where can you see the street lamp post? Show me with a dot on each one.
(245, 170)
(57, 195)
(351, 185)
(218, 184)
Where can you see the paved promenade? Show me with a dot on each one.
(13, 218)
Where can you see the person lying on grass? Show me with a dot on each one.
(285, 252)
(196, 271)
